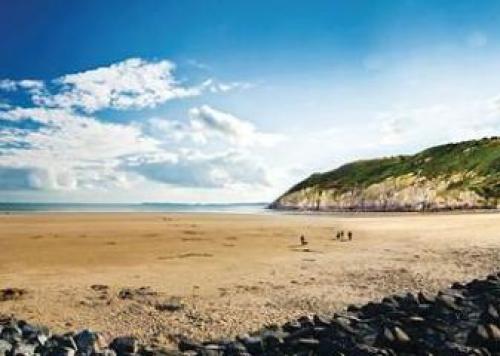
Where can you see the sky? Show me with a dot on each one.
(232, 101)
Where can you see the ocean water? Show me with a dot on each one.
(239, 208)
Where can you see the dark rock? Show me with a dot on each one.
(306, 321)
(487, 336)
(343, 325)
(454, 349)
(11, 333)
(424, 298)
(292, 326)
(61, 351)
(273, 339)
(254, 345)
(235, 348)
(64, 341)
(321, 320)
(125, 345)
(491, 315)
(189, 345)
(394, 338)
(88, 342)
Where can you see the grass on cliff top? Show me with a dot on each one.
(481, 157)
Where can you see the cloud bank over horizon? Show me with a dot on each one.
(59, 142)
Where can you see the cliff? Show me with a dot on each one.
(464, 175)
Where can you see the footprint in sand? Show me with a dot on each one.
(190, 232)
(186, 255)
(194, 239)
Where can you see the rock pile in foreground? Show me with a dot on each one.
(461, 320)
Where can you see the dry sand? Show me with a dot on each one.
(231, 273)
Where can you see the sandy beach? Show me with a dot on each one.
(212, 275)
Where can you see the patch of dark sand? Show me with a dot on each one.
(8, 294)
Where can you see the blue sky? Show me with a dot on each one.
(228, 101)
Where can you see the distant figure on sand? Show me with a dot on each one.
(338, 235)
(303, 241)
(349, 235)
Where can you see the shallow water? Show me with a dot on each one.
(241, 208)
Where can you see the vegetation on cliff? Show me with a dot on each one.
(469, 166)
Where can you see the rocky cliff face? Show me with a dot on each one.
(408, 193)
(343, 190)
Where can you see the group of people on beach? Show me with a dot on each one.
(340, 237)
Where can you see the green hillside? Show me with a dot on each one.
(477, 162)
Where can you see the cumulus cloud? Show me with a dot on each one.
(131, 84)
(209, 121)
(67, 150)
(193, 169)
(61, 143)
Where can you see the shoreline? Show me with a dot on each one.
(265, 212)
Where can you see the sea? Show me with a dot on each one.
(237, 208)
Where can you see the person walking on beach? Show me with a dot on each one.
(303, 241)
(349, 235)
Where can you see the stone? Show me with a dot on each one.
(5, 347)
(292, 326)
(394, 338)
(124, 345)
(88, 342)
(11, 333)
(321, 320)
(62, 351)
(24, 349)
(485, 335)
(189, 345)
(253, 344)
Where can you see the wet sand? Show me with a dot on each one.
(227, 273)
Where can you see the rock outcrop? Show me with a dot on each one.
(463, 175)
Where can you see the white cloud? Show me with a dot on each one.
(214, 86)
(194, 169)
(61, 144)
(32, 86)
(68, 151)
(209, 121)
(131, 84)
(71, 151)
